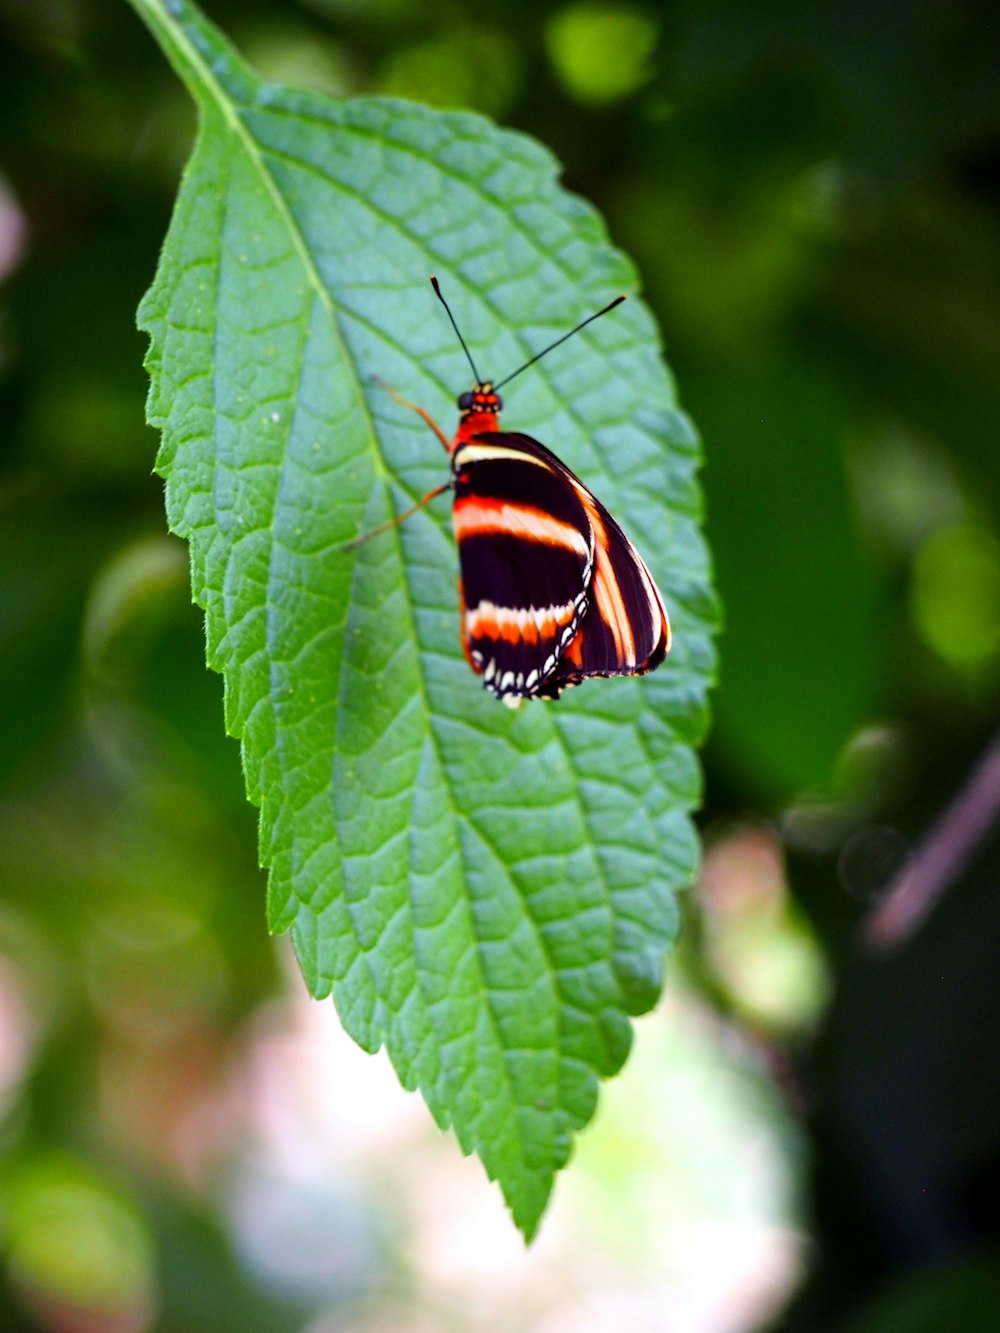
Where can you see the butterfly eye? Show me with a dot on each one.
(497, 402)
(465, 401)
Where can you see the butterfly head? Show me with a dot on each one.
(481, 398)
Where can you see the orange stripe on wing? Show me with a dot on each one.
(478, 516)
(607, 596)
(517, 624)
(574, 653)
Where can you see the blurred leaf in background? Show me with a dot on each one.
(812, 194)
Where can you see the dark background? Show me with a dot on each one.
(812, 195)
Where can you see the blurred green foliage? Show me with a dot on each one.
(812, 192)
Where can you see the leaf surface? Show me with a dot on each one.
(487, 894)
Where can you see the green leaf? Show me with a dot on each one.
(487, 894)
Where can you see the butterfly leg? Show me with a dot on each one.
(405, 402)
(400, 518)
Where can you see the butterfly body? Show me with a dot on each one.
(551, 589)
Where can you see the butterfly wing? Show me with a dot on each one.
(626, 631)
(553, 590)
(526, 550)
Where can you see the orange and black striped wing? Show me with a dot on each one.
(526, 550)
(626, 631)
(553, 590)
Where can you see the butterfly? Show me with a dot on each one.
(551, 589)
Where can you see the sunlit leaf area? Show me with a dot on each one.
(806, 1134)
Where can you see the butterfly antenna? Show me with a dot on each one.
(437, 289)
(545, 351)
